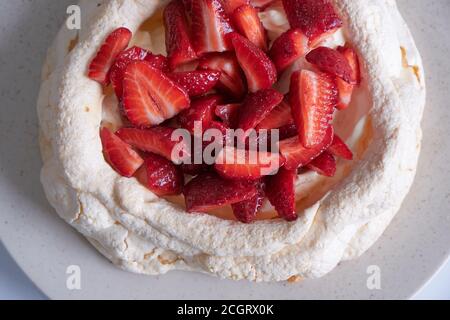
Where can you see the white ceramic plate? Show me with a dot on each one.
(409, 253)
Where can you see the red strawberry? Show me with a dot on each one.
(340, 149)
(120, 155)
(178, 41)
(257, 106)
(288, 131)
(202, 111)
(208, 191)
(114, 44)
(210, 25)
(259, 70)
(229, 114)
(194, 169)
(333, 62)
(288, 48)
(316, 18)
(247, 210)
(280, 191)
(123, 60)
(261, 3)
(297, 155)
(231, 78)
(247, 22)
(196, 83)
(231, 5)
(149, 96)
(280, 116)
(237, 164)
(325, 164)
(313, 97)
(163, 178)
(157, 140)
(345, 89)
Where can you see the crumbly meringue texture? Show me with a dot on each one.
(142, 233)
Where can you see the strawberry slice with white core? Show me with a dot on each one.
(259, 70)
(209, 191)
(236, 164)
(288, 48)
(246, 211)
(346, 89)
(201, 112)
(333, 62)
(119, 154)
(279, 117)
(313, 97)
(114, 44)
(196, 83)
(316, 18)
(340, 149)
(157, 140)
(247, 22)
(297, 156)
(179, 46)
(325, 165)
(231, 5)
(280, 190)
(150, 97)
(210, 26)
(162, 177)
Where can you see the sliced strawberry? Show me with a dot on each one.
(288, 131)
(237, 164)
(280, 191)
(259, 70)
(178, 41)
(133, 54)
(297, 155)
(229, 114)
(280, 116)
(313, 97)
(120, 155)
(194, 169)
(208, 191)
(231, 5)
(261, 3)
(149, 96)
(325, 164)
(202, 111)
(353, 60)
(157, 140)
(345, 89)
(114, 44)
(231, 78)
(196, 83)
(247, 210)
(210, 25)
(315, 18)
(340, 149)
(163, 178)
(257, 106)
(247, 22)
(288, 48)
(333, 62)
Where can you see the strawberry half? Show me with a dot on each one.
(163, 178)
(229, 114)
(231, 78)
(247, 22)
(280, 116)
(208, 191)
(288, 48)
(114, 44)
(340, 149)
(196, 83)
(313, 97)
(246, 211)
(149, 96)
(346, 89)
(210, 25)
(202, 111)
(280, 191)
(120, 155)
(178, 41)
(133, 54)
(231, 5)
(316, 18)
(325, 165)
(235, 164)
(259, 70)
(157, 140)
(297, 155)
(257, 106)
(333, 62)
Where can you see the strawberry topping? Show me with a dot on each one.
(246, 211)
(325, 164)
(201, 112)
(281, 193)
(288, 48)
(196, 83)
(340, 149)
(163, 178)
(248, 24)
